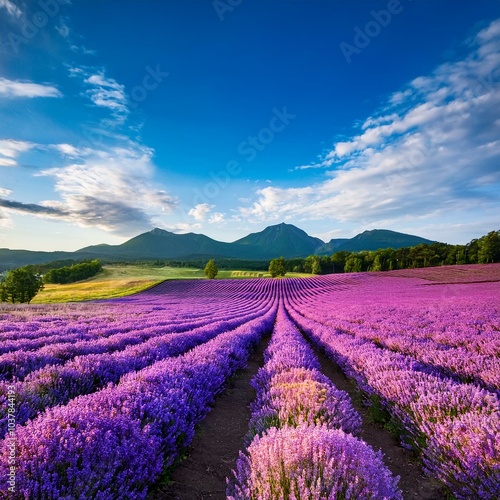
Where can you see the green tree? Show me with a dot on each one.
(353, 264)
(368, 260)
(489, 248)
(326, 265)
(76, 272)
(20, 285)
(211, 269)
(472, 250)
(316, 266)
(377, 263)
(277, 267)
(338, 260)
(294, 265)
(312, 264)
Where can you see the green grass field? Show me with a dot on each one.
(114, 281)
(117, 281)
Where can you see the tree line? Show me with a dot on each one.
(23, 283)
(483, 250)
(75, 272)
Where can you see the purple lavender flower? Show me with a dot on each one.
(310, 462)
(115, 442)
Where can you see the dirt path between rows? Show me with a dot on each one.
(215, 447)
(217, 442)
(400, 461)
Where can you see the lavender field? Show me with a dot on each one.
(101, 399)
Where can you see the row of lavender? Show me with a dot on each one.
(116, 442)
(303, 429)
(156, 403)
(57, 383)
(38, 325)
(456, 333)
(455, 425)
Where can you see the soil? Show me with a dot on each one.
(400, 461)
(216, 445)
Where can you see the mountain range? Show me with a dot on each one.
(282, 239)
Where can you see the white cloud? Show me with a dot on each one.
(11, 8)
(5, 219)
(307, 167)
(103, 92)
(11, 149)
(433, 149)
(68, 150)
(62, 27)
(200, 211)
(100, 80)
(11, 88)
(109, 191)
(216, 218)
(7, 162)
(492, 32)
(75, 71)
(81, 49)
(108, 93)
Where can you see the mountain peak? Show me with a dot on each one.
(159, 231)
(281, 239)
(281, 225)
(374, 239)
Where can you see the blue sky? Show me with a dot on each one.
(222, 117)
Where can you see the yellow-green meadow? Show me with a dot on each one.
(119, 280)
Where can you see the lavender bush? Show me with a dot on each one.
(151, 365)
(302, 449)
(431, 407)
(290, 390)
(154, 410)
(308, 463)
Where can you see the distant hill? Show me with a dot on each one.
(159, 243)
(332, 246)
(10, 259)
(282, 239)
(375, 239)
(382, 238)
